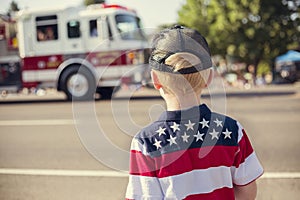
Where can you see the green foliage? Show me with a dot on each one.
(89, 2)
(249, 30)
(263, 68)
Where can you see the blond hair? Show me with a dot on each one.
(183, 83)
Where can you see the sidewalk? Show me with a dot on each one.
(266, 90)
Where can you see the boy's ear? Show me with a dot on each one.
(155, 80)
(210, 77)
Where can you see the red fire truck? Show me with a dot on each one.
(80, 51)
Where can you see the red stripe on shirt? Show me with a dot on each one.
(244, 151)
(181, 161)
(141, 164)
(219, 194)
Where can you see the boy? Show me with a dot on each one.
(190, 152)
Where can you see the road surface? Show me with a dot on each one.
(43, 154)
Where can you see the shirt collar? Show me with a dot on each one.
(189, 113)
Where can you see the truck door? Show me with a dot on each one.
(97, 34)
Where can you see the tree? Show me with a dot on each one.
(89, 2)
(251, 31)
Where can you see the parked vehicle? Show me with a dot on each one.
(287, 67)
(80, 51)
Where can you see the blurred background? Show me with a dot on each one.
(252, 43)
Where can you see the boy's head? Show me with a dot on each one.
(180, 60)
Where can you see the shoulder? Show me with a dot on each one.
(147, 134)
(227, 126)
(150, 130)
(160, 138)
(226, 119)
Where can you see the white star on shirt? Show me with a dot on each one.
(227, 134)
(214, 134)
(185, 137)
(190, 125)
(175, 127)
(157, 144)
(172, 140)
(199, 136)
(204, 123)
(219, 123)
(161, 131)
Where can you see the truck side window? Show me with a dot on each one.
(94, 31)
(73, 29)
(46, 28)
(93, 28)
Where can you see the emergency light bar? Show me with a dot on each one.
(114, 6)
(104, 5)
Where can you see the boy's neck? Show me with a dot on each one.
(181, 102)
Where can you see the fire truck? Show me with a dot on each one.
(80, 51)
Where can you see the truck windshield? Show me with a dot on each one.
(129, 27)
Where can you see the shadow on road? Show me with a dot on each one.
(31, 101)
(252, 94)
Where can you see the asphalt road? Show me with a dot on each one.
(48, 150)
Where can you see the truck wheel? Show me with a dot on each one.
(78, 83)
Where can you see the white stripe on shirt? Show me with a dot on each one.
(137, 146)
(250, 167)
(240, 132)
(178, 187)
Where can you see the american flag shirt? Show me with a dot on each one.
(191, 154)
